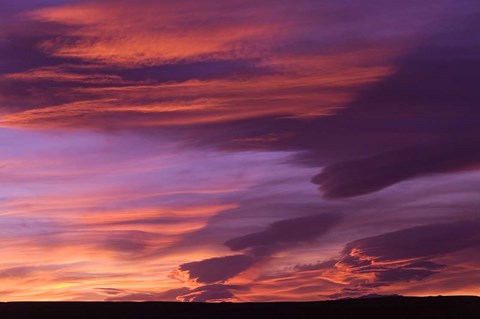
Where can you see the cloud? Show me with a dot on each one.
(207, 293)
(211, 293)
(285, 233)
(418, 121)
(376, 97)
(213, 270)
(416, 242)
(363, 176)
(151, 33)
(408, 260)
(280, 235)
(406, 255)
(407, 273)
(191, 67)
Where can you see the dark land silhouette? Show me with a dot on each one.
(387, 307)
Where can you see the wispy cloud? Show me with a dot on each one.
(144, 137)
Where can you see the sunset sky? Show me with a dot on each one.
(239, 150)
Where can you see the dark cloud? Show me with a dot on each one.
(280, 235)
(217, 269)
(406, 274)
(211, 293)
(215, 292)
(418, 242)
(358, 177)
(19, 45)
(285, 233)
(378, 274)
(184, 71)
(407, 255)
(386, 135)
(395, 258)
(320, 265)
(422, 119)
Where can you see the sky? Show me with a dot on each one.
(283, 150)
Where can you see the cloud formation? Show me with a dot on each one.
(285, 233)
(212, 270)
(150, 136)
(112, 65)
(363, 176)
(417, 242)
(211, 293)
(278, 236)
(399, 257)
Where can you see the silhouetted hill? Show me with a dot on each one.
(388, 307)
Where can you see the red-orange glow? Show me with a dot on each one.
(238, 150)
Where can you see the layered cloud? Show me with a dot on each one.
(382, 264)
(282, 234)
(127, 65)
(406, 255)
(367, 175)
(259, 247)
(213, 270)
(143, 137)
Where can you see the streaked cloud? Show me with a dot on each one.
(166, 150)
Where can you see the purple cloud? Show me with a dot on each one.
(217, 269)
(211, 293)
(417, 242)
(285, 233)
(280, 235)
(363, 176)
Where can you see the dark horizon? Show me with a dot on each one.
(392, 307)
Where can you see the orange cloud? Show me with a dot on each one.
(196, 102)
(152, 33)
(108, 39)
